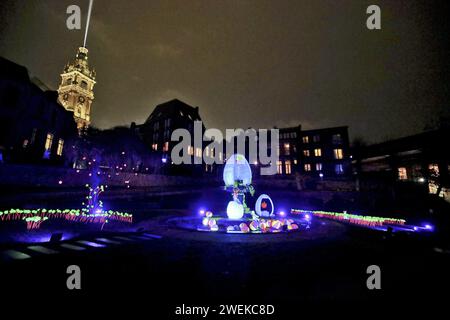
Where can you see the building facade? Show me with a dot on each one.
(325, 152)
(289, 150)
(34, 127)
(76, 90)
(422, 159)
(156, 132)
(320, 153)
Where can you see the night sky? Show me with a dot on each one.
(248, 63)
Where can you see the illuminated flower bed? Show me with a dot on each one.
(35, 217)
(368, 221)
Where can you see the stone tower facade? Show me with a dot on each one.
(75, 91)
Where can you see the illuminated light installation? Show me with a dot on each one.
(34, 222)
(34, 217)
(92, 213)
(235, 210)
(237, 177)
(264, 206)
(237, 168)
(94, 205)
(368, 221)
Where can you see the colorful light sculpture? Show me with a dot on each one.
(368, 221)
(237, 168)
(235, 210)
(264, 206)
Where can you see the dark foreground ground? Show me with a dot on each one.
(323, 267)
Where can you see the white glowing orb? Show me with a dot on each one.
(237, 168)
(235, 210)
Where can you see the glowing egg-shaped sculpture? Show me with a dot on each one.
(244, 227)
(264, 206)
(235, 210)
(237, 168)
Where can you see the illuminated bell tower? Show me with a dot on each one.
(75, 91)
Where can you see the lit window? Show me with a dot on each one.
(190, 149)
(307, 167)
(318, 152)
(198, 152)
(339, 169)
(166, 146)
(155, 146)
(279, 167)
(60, 147)
(286, 149)
(318, 167)
(295, 161)
(338, 154)
(207, 151)
(316, 138)
(287, 166)
(305, 139)
(25, 143)
(434, 169)
(402, 174)
(48, 141)
(306, 153)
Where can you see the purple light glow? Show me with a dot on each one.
(307, 217)
(282, 213)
